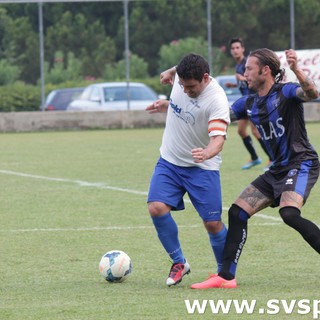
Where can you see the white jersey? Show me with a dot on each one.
(187, 124)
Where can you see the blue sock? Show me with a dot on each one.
(167, 230)
(217, 242)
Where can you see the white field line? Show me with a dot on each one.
(81, 183)
(101, 185)
(113, 228)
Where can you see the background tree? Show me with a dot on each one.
(60, 72)
(8, 73)
(159, 22)
(117, 71)
(171, 54)
(94, 31)
(22, 48)
(87, 41)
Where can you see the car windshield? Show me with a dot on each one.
(135, 93)
(86, 93)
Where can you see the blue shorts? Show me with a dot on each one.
(169, 184)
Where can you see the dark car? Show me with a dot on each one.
(58, 100)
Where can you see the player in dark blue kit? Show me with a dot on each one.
(277, 111)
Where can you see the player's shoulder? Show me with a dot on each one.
(285, 85)
(243, 103)
(245, 99)
(214, 88)
(288, 89)
(214, 84)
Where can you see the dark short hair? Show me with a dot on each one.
(236, 39)
(267, 57)
(192, 66)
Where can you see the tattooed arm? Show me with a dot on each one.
(308, 90)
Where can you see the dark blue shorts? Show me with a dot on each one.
(169, 184)
(300, 180)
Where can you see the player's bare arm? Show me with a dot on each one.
(219, 129)
(167, 76)
(308, 90)
(232, 116)
(240, 77)
(214, 147)
(159, 106)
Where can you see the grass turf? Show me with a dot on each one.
(69, 197)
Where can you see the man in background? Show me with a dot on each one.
(237, 50)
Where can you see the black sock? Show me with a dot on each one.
(249, 145)
(264, 148)
(236, 238)
(309, 231)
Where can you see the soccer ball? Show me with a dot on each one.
(115, 266)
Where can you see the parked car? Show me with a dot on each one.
(110, 96)
(230, 86)
(58, 100)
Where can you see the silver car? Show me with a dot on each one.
(112, 96)
(230, 86)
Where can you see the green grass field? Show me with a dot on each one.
(69, 197)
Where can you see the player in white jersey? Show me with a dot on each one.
(196, 128)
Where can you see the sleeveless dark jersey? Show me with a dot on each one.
(279, 118)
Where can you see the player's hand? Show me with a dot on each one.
(230, 85)
(158, 106)
(167, 76)
(239, 76)
(292, 58)
(198, 155)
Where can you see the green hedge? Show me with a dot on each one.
(19, 97)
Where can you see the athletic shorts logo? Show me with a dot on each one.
(289, 181)
(292, 172)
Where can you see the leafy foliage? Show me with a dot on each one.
(8, 73)
(59, 73)
(87, 41)
(171, 54)
(94, 32)
(117, 71)
(89, 36)
(19, 97)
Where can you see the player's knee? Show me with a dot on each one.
(290, 215)
(242, 133)
(158, 208)
(255, 132)
(213, 227)
(235, 212)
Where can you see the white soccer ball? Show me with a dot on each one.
(115, 266)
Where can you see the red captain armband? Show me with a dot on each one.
(218, 127)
